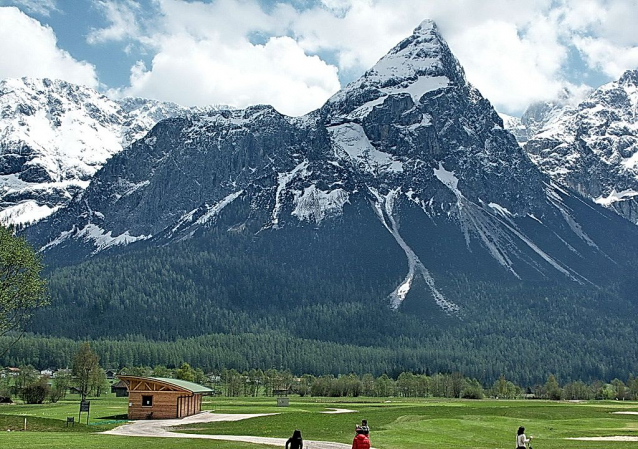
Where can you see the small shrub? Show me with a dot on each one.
(36, 392)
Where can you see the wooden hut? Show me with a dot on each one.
(120, 389)
(163, 398)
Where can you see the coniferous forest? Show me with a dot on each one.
(216, 304)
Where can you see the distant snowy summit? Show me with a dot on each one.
(539, 114)
(55, 135)
(591, 147)
(516, 127)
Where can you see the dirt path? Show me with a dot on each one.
(163, 428)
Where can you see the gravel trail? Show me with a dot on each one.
(164, 428)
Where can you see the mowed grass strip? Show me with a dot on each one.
(63, 440)
(106, 408)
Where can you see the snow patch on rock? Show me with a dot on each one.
(314, 204)
(383, 206)
(350, 142)
(25, 213)
(615, 197)
(94, 234)
(282, 182)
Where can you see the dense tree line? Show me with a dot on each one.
(89, 378)
(265, 351)
(29, 386)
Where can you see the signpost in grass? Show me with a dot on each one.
(84, 407)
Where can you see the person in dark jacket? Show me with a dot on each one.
(363, 428)
(295, 441)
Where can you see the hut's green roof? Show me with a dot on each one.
(183, 384)
(191, 386)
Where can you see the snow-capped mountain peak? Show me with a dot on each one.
(416, 65)
(419, 64)
(55, 135)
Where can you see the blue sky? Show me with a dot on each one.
(294, 54)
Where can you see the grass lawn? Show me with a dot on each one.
(394, 423)
(62, 440)
(412, 424)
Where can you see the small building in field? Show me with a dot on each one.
(163, 398)
(9, 372)
(47, 372)
(75, 390)
(120, 389)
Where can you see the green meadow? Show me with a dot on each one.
(395, 423)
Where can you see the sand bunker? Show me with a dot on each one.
(338, 410)
(625, 413)
(615, 438)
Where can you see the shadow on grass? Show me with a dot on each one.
(36, 424)
(120, 417)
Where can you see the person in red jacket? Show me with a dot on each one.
(361, 441)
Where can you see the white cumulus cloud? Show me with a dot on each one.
(526, 69)
(610, 58)
(122, 17)
(204, 54)
(30, 49)
(42, 7)
(206, 72)
(515, 53)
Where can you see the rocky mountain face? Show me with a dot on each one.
(55, 135)
(590, 147)
(409, 164)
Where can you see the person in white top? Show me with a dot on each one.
(521, 439)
